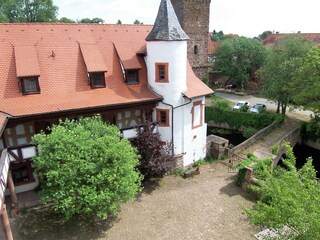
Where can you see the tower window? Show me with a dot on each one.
(97, 80)
(195, 49)
(163, 117)
(162, 72)
(29, 85)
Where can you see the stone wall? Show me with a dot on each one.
(194, 17)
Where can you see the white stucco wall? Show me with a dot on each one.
(174, 53)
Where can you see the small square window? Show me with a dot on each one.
(132, 76)
(29, 85)
(97, 80)
(163, 117)
(162, 72)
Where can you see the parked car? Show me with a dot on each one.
(257, 108)
(240, 104)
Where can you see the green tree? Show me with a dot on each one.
(265, 34)
(239, 58)
(217, 36)
(277, 73)
(86, 168)
(119, 21)
(93, 20)
(137, 22)
(28, 11)
(307, 81)
(66, 20)
(289, 197)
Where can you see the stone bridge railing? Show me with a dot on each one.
(293, 137)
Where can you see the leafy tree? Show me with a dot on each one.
(66, 20)
(217, 36)
(277, 73)
(156, 156)
(86, 168)
(93, 20)
(239, 58)
(265, 34)
(28, 10)
(137, 22)
(289, 197)
(307, 81)
(119, 21)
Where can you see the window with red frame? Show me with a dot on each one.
(197, 113)
(163, 117)
(162, 72)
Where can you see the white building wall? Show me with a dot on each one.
(174, 53)
(187, 141)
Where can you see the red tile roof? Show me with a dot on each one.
(195, 86)
(272, 38)
(62, 66)
(64, 53)
(26, 61)
(92, 58)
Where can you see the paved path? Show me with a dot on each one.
(295, 113)
(205, 207)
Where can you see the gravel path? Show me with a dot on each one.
(207, 206)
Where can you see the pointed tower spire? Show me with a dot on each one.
(167, 26)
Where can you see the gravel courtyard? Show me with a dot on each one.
(207, 206)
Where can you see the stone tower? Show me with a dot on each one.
(194, 17)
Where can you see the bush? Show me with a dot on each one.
(249, 132)
(156, 156)
(86, 168)
(240, 120)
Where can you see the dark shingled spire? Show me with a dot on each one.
(167, 26)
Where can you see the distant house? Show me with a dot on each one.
(127, 73)
(272, 38)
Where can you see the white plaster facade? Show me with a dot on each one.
(189, 141)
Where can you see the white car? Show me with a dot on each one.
(240, 104)
(257, 108)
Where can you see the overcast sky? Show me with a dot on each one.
(244, 17)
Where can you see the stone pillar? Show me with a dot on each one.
(6, 224)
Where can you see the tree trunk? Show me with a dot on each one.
(283, 108)
(278, 107)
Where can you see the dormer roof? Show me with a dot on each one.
(167, 26)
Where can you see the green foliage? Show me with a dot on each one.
(244, 108)
(206, 160)
(249, 132)
(205, 79)
(28, 11)
(311, 130)
(239, 58)
(66, 20)
(86, 168)
(93, 20)
(221, 104)
(251, 159)
(217, 36)
(156, 157)
(277, 74)
(275, 149)
(119, 21)
(240, 120)
(265, 34)
(306, 82)
(137, 22)
(289, 197)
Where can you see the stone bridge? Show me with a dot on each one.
(261, 143)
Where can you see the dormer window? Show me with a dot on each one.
(132, 76)
(162, 72)
(29, 85)
(97, 80)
